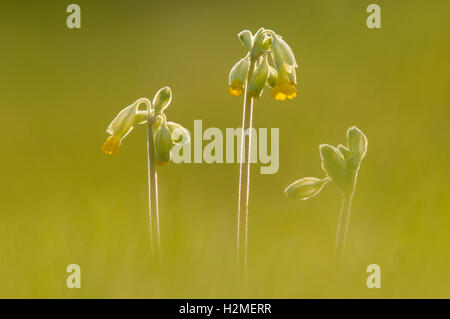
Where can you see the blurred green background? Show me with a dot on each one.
(63, 201)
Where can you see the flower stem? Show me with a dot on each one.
(347, 222)
(339, 225)
(244, 177)
(153, 190)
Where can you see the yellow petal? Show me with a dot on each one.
(284, 90)
(235, 91)
(111, 146)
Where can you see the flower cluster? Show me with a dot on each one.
(166, 134)
(269, 61)
(341, 165)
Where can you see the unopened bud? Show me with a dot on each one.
(162, 99)
(258, 79)
(305, 188)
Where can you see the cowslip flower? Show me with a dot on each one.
(161, 136)
(281, 77)
(163, 144)
(341, 165)
(122, 125)
(285, 85)
(238, 76)
(269, 61)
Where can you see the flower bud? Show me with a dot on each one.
(163, 145)
(357, 142)
(333, 164)
(261, 43)
(282, 53)
(238, 76)
(351, 162)
(246, 38)
(258, 79)
(305, 188)
(162, 99)
(273, 75)
(332, 161)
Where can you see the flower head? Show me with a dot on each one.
(272, 62)
(165, 134)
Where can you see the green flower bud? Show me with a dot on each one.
(246, 38)
(357, 142)
(282, 53)
(334, 165)
(273, 75)
(351, 162)
(163, 142)
(178, 133)
(305, 188)
(345, 151)
(258, 78)
(238, 76)
(162, 99)
(260, 43)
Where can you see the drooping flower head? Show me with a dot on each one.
(278, 72)
(166, 134)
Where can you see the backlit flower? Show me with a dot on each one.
(238, 76)
(285, 85)
(122, 125)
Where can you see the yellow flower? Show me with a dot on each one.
(284, 90)
(111, 146)
(236, 88)
(122, 125)
(285, 85)
(238, 76)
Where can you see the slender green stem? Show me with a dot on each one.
(153, 189)
(244, 177)
(347, 222)
(339, 225)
